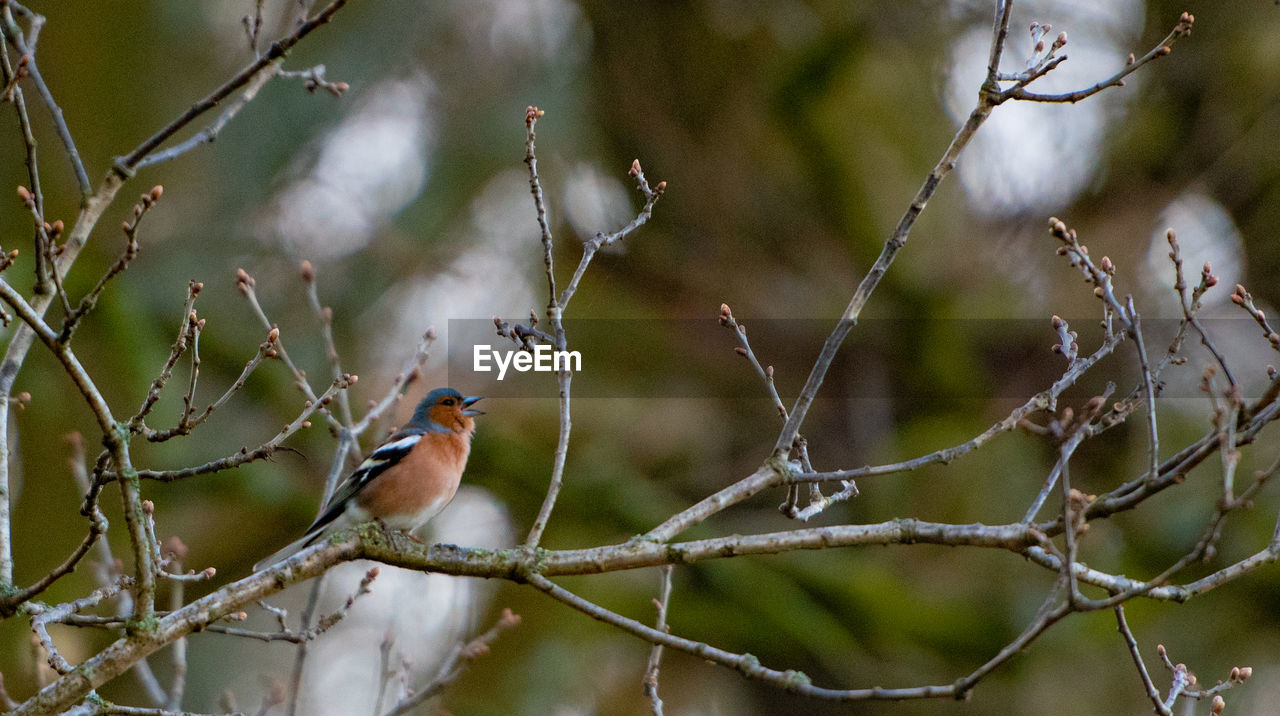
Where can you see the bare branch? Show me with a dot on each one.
(746, 664)
(246, 285)
(457, 662)
(600, 240)
(1182, 29)
(97, 527)
(13, 34)
(244, 455)
(325, 315)
(90, 299)
(1189, 306)
(266, 64)
(1123, 627)
(531, 115)
(655, 654)
(555, 309)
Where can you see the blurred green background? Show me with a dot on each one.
(792, 135)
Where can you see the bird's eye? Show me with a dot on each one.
(447, 401)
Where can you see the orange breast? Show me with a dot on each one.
(416, 488)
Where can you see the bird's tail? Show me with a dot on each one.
(287, 551)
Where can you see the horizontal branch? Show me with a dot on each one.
(537, 565)
(396, 549)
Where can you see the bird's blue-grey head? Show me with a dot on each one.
(445, 410)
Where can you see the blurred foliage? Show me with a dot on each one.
(792, 135)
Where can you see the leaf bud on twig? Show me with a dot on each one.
(176, 547)
(244, 282)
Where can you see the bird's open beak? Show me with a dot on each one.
(466, 403)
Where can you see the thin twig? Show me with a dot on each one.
(253, 26)
(294, 688)
(9, 602)
(244, 455)
(600, 240)
(245, 284)
(180, 344)
(384, 669)
(1244, 299)
(744, 349)
(266, 62)
(90, 299)
(457, 662)
(325, 315)
(188, 421)
(11, 77)
(655, 654)
(773, 473)
(746, 664)
(531, 116)
(1189, 306)
(1182, 29)
(563, 376)
(178, 687)
(555, 308)
(1123, 627)
(1148, 386)
(15, 37)
(399, 385)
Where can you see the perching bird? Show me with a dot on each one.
(406, 480)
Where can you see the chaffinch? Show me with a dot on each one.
(406, 480)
